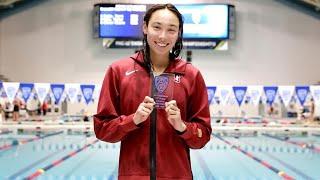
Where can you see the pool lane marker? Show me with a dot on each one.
(297, 171)
(113, 175)
(15, 175)
(264, 163)
(5, 132)
(27, 168)
(57, 162)
(301, 144)
(8, 146)
(207, 172)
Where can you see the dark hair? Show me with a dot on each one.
(177, 47)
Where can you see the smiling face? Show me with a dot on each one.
(162, 32)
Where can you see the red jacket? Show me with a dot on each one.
(125, 85)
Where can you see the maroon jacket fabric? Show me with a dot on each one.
(125, 85)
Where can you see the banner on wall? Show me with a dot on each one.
(302, 93)
(270, 92)
(11, 89)
(57, 91)
(72, 90)
(315, 92)
(286, 94)
(26, 90)
(0, 88)
(87, 92)
(239, 93)
(211, 91)
(42, 90)
(223, 93)
(53, 99)
(96, 92)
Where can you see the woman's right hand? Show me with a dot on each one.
(144, 110)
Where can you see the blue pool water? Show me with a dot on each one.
(225, 157)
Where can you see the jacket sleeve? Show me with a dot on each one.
(109, 125)
(198, 130)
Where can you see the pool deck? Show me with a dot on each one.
(88, 126)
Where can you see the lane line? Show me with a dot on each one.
(59, 161)
(300, 144)
(27, 168)
(113, 175)
(297, 171)
(8, 146)
(5, 132)
(15, 175)
(208, 174)
(264, 163)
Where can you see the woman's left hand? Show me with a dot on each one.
(174, 116)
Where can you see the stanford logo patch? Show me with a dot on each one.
(177, 78)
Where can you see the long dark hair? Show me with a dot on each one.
(177, 47)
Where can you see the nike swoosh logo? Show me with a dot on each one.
(130, 72)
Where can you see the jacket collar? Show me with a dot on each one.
(178, 66)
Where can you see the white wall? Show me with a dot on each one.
(274, 44)
(52, 42)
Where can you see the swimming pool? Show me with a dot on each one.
(76, 155)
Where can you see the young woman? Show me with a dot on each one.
(155, 142)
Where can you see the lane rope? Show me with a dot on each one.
(59, 161)
(264, 163)
(17, 143)
(300, 144)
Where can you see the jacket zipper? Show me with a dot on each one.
(153, 136)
